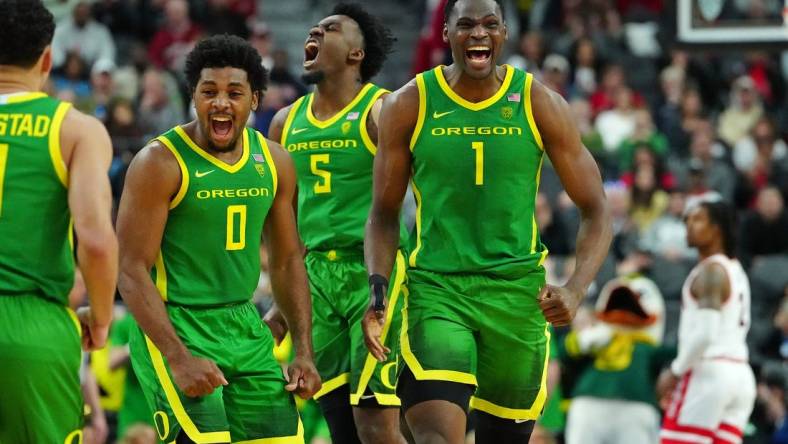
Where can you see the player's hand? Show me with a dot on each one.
(302, 377)
(372, 325)
(559, 304)
(196, 376)
(94, 336)
(666, 385)
(276, 322)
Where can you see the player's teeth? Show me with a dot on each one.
(478, 48)
(222, 119)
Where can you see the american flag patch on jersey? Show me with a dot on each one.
(513, 97)
(258, 158)
(352, 116)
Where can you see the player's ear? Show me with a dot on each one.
(356, 54)
(505, 32)
(46, 60)
(256, 97)
(445, 33)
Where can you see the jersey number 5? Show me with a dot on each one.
(323, 185)
(233, 212)
(3, 162)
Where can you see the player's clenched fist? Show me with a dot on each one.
(559, 304)
(302, 377)
(196, 376)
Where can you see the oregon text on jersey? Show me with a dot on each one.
(231, 193)
(317, 144)
(477, 130)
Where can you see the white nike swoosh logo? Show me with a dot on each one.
(520, 421)
(437, 115)
(367, 396)
(199, 174)
(298, 130)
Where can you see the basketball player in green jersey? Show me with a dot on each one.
(472, 138)
(53, 175)
(197, 202)
(331, 135)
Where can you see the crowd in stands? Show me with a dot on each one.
(665, 123)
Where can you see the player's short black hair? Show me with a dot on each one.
(722, 215)
(450, 7)
(221, 51)
(26, 28)
(378, 39)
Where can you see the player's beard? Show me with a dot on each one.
(313, 77)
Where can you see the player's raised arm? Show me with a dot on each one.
(152, 180)
(581, 179)
(90, 201)
(288, 276)
(391, 172)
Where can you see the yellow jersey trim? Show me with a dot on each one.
(298, 438)
(529, 112)
(415, 366)
(73, 315)
(269, 159)
(76, 434)
(371, 147)
(519, 414)
(184, 172)
(371, 363)
(161, 276)
(474, 106)
(289, 120)
(213, 159)
(323, 124)
(422, 111)
(174, 400)
(55, 149)
(24, 97)
(332, 384)
(417, 196)
(534, 229)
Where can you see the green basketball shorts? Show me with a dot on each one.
(40, 396)
(481, 331)
(253, 407)
(340, 297)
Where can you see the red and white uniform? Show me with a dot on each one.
(713, 401)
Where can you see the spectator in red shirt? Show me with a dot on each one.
(175, 38)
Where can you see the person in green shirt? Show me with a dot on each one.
(471, 137)
(53, 185)
(619, 357)
(197, 204)
(331, 134)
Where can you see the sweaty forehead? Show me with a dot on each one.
(224, 76)
(476, 9)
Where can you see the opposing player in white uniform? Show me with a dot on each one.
(711, 383)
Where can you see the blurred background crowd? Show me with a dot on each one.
(665, 123)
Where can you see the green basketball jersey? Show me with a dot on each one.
(36, 256)
(210, 251)
(476, 173)
(333, 160)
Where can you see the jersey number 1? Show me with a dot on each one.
(232, 244)
(479, 148)
(3, 162)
